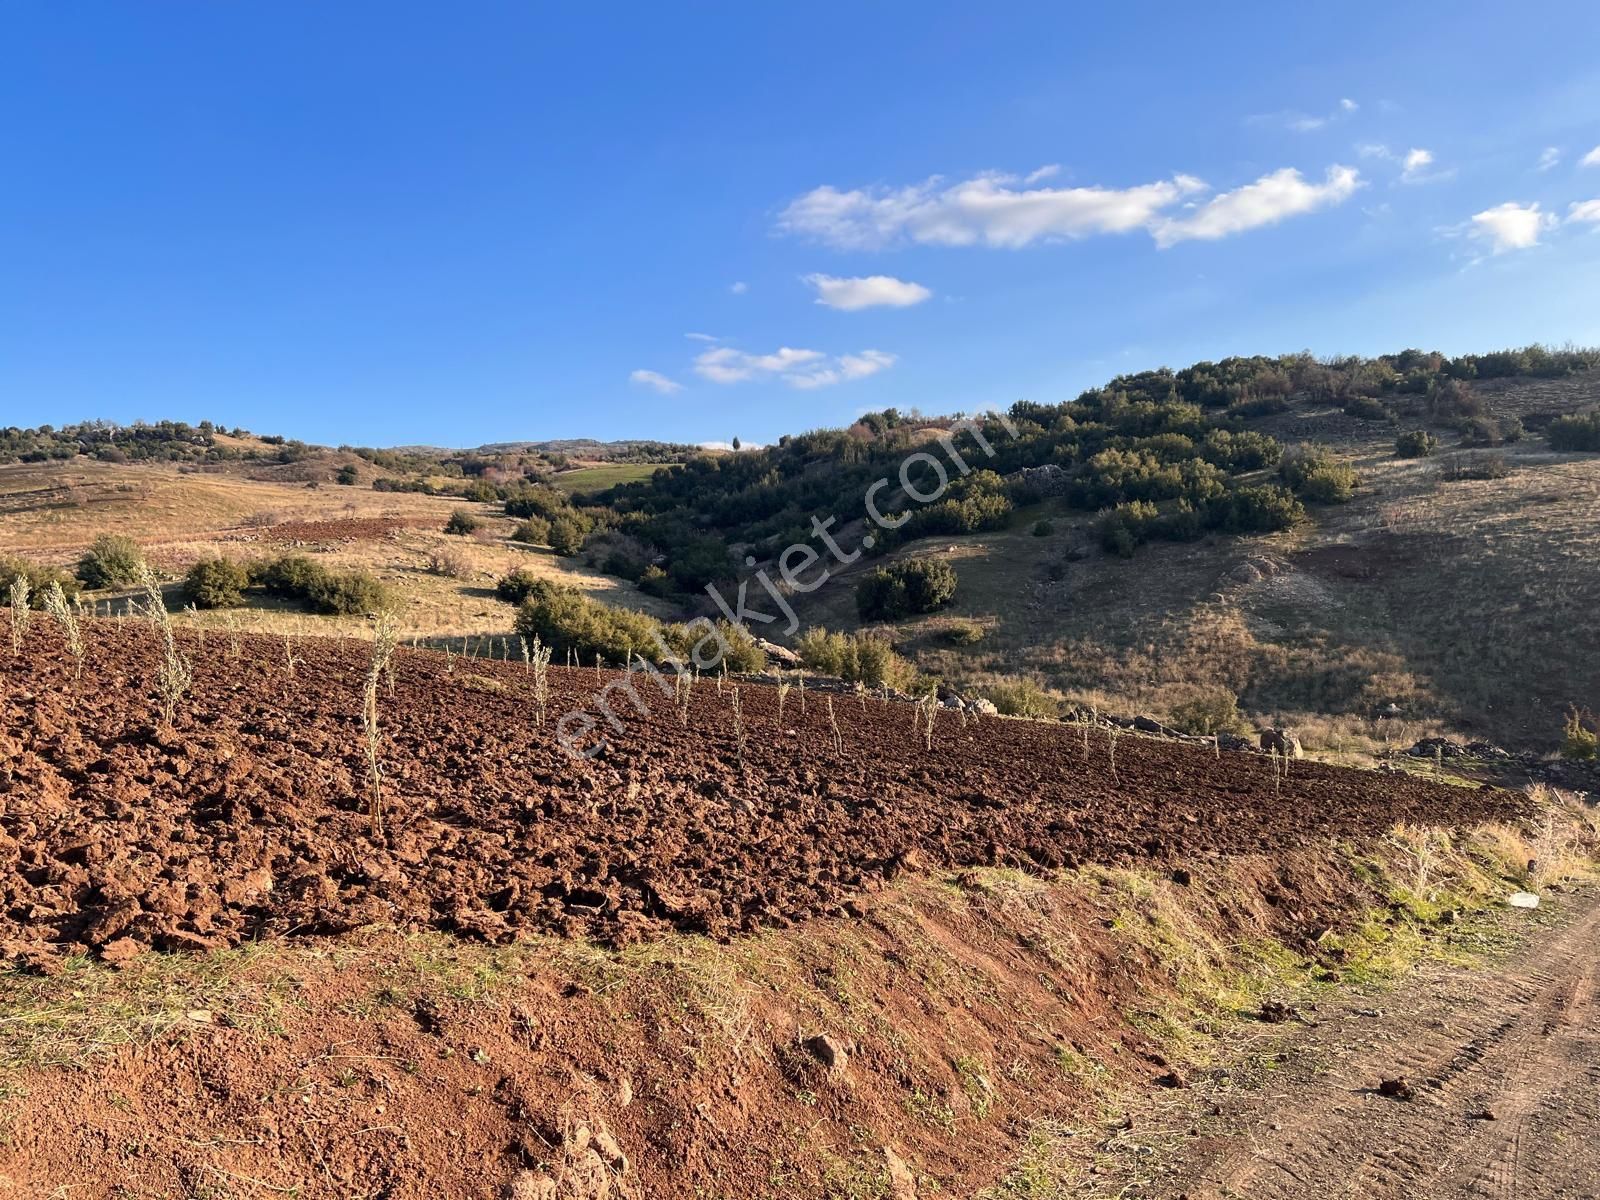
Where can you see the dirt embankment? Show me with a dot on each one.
(249, 818)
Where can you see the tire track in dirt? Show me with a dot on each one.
(1500, 1064)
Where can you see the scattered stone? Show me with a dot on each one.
(1274, 1012)
(902, 1183)
(1397, 1089)
(120, 952)
(828, 1052)
(1482, 1114)
(531, 1185)
(1171, 1080)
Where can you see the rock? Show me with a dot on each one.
(778, 653)
(902, 1183)
(827, 1051)
(1272, 1012)
(531, 1185)
(1482, 1114)
(1171, 1080)
(984, 708)
(1281, 741)
(1397, 1089)
(120, 952)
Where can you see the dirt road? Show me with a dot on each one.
(1505, 1068)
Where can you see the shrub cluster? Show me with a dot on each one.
(1578, 743)
(295, 577)
(857, 658)
(111, 561)
(902, 589)
(1317, 475)
(1415, 443)
(1579, 431)
(462, 523)
(565, 619)
(1021, 698)
(39, 577)
(216, 583)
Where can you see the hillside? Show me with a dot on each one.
(1229, 546)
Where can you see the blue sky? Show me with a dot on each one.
(393, 223)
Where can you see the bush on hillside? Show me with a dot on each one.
(567, 533)
(857, 658)
(296, 577)
(1208, 711)
(1579, 432)
(964, 633)
(1021, 698)
(111, 561)
(902, 589)
(1578, 743)
(565, 619)
(215, 583)
(517, 586)
(39, 577)
(1415, 443)
(462, 523)
(1315, 474)
(535, 531)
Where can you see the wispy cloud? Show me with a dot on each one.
(1414, 164)
(867, 291)
(738, 287)
(1002, 211)
(797, 368)
(1550, 158)
(1268, 200)
(702, 337)
(1302, 122)
(1591, 159)
(656, 381)
(989, 210)
(1510, 226)
(1585, 212)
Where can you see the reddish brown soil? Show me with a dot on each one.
(250, 817)
(346, 529)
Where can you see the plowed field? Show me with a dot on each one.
(249, 816)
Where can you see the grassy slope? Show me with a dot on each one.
(1465, 603)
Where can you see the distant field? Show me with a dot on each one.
(604, 475)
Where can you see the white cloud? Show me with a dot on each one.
(1048, 171)
(991, 210)
(986, 210)
(702, 337)
(1591, 159)
(1348, 105)
(797, 368)
(1586, 212)
(869, 291)
(657, 381)
(1415, 163)
(1551, 157)
(1267, 201)
(739, 287)
(1511, 226)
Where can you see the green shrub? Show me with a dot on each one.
(857, 658)
(1021, 698)
(215, 583)
(535, 531)
(1264, 509)
(1126, 527)
(348, 475)
(462, 522)
(565, 619)
(111, 561)
(653, 581)
(566, 535)
(918, 585)
(295, 577)
(1579, 432)
(517, 586)
(1316, 475)
(1415, 443)
(964, 633)
(39, 578)
(1043, 528)
(353, 594)
(1208, 711)
(1578, 743)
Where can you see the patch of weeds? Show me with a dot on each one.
(932, 1109)
(1047, 1168)
(89, 1009)
(440, 966)
(975, 1083)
